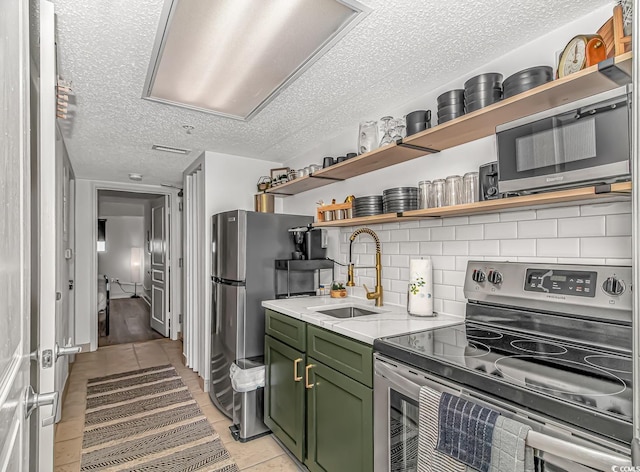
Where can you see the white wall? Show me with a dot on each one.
(542, 51)
(123, 233)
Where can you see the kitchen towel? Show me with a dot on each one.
(465, 431)
(430, 459)
(509, 453)
(420, 296)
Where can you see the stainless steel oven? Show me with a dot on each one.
(584, 142)
(548, 345)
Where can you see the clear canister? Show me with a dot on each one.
(470, 184)
(453, 190)
(424, 194)
(437, 193)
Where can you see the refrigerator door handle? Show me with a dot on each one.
(214, 306)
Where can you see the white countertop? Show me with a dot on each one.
(391, 319)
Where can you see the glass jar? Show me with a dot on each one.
(437, 193)
(368, 137)
(453, 190)
(424, 194)
(470, 184)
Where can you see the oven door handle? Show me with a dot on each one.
(542, 442)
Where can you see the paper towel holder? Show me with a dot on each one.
(433, 313)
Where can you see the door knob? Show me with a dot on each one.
(35, 400)
(66, 350)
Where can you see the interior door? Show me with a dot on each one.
(14, 236)
(160, 283)
(44, 293)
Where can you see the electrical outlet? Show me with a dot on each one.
(114, 280)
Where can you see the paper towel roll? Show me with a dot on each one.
(420, 297)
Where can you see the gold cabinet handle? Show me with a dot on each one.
(306, 375)
(295, 370)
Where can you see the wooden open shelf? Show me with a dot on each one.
(482, 123)
(617, 191)
(469, 127)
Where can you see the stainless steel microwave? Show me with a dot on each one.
(581, 143)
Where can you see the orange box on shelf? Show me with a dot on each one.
(336, 211)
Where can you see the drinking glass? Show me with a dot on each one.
(368, 136)
(388, 126)
(425, 191)
(470, 184)
(401, 128)
(453, 190)
(437, 193)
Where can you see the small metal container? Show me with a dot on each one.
(328, 215)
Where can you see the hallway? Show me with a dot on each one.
(259, 455)
(129, 322)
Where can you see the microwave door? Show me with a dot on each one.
(582, 145)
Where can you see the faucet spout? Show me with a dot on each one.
(377, 293)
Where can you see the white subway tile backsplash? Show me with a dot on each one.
(618, 225)
(518, 247)
(399, 285)
(470, 232)
(558, 212)
(605, 208)
(419, 234)
(455, 248)
(444, 233)
(484, 248)
(392, 298)
(444, 262)
(488, 218)
(456, 221)
(431, 248)
(390, 248)
(399, 261)
(568, 247)
(444, 291)
(453, 277)
(400, 235)
(590, 234)
(391, 273)
(437, 305)
(501, 230)
(410, 248)
(461, 262)
(430, 222)
(581, 227)
(451, 307)
(618, 247)
(518, 215)
(538, 229)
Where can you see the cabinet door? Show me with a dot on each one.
(284, 399)
(339, 422)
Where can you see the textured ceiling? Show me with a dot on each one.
(401, 50)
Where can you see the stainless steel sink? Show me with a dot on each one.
(347, 312)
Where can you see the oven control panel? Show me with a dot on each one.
(565, 282)
(602, 292)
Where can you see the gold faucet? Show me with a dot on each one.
(377, 294)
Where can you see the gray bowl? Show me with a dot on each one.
(490, 77)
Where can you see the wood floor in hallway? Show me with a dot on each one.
(262, 454)
(129, 321)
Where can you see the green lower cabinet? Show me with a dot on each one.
(284, 400)
(339, 422)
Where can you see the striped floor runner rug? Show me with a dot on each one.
(146, 420)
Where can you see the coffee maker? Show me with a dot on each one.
(488, 181)
(310, 243)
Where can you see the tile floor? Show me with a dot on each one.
(262, 454)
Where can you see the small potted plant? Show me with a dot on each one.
(338, 290)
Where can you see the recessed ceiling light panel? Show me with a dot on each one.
(231, 57)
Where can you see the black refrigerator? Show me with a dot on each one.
(244, 248)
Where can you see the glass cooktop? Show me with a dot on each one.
(572, 382)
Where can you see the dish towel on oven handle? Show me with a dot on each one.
(508, 450)
(465, 431)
